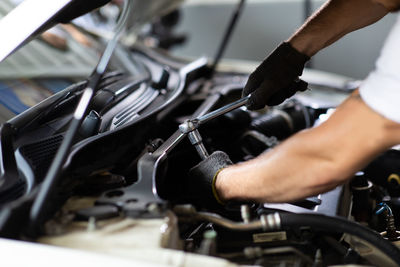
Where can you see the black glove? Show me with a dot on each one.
(200, 185)
(276, 78)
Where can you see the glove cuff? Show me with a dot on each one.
(214, 189)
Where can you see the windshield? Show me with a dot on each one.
(58, 58)
(65, 54)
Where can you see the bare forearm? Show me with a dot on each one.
(312, 161)
(333, 20)
(290, 172)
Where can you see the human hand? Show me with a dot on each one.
(276, 78)
(200, 185)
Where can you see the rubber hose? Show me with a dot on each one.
(341, 225)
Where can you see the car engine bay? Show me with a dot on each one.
(120, 190)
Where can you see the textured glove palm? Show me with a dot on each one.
(200, 185)
(276, 78)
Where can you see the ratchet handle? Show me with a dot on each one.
(223, 110)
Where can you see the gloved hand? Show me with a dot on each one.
(276, 78)
(200, 185)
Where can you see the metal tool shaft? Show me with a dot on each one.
(222, 110)
(190, 126)
(197, 142)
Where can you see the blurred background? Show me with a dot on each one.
(266, 23)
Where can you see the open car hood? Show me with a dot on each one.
(19, 33)
(52, 12)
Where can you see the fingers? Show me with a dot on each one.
(282, 95)
(252, 84)
(222, 157)
(268, 94)
(273, 80)
(261, 95)
(301, 85)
